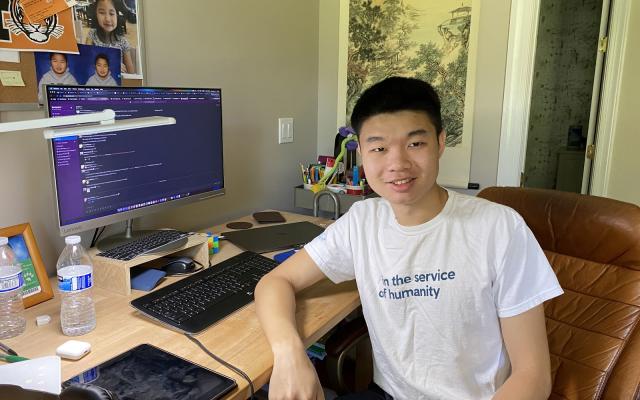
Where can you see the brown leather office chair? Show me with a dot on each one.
(593, 245)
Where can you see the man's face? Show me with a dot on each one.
(400, 155)
(102, 68)
(58, 64)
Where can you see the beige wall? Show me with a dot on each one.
(264, 56)
(622, 182)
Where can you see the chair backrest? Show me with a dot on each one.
(593, 245)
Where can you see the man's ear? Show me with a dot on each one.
(442, 137)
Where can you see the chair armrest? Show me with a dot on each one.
(346, 336)
(344, 373)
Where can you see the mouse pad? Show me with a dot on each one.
(147, 280)
(147, 372)
(276, 237)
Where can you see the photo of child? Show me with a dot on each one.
(58, 72)
(102, 77)
(91, 67)
(112, 23)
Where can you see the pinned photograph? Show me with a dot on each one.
(94, 66)
(112, 23)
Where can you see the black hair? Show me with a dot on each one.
(397, 94)
(62, 54)
(101, 56)
(121, 12)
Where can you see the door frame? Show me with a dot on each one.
(523, 29)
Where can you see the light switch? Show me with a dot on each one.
(285, 130)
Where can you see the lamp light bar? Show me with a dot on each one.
(85, 124)
(119, 125)
(107, 116)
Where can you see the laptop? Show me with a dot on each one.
(275, 237)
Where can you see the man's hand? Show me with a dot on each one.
(294, 378)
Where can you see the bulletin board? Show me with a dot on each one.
(24, 98)
(21, 97)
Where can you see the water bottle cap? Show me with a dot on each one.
(72, 239)
(3, 240)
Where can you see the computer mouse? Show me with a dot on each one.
(179, 265)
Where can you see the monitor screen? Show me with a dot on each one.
(106, 178)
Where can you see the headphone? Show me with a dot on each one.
(85, 391)
(78, 391)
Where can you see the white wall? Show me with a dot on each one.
(264, 56)
(624, 167)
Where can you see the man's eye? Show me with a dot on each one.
(377, 149)
(417, 144)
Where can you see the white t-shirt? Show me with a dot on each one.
(432, 294)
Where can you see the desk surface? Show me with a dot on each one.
(238, 339)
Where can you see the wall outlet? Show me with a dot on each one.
(285, 130)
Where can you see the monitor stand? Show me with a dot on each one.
(129, 235)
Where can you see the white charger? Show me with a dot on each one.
(73, 349)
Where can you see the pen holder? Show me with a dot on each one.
(357, 190)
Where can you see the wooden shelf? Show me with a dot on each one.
(115, 275)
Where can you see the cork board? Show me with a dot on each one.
(21, 94)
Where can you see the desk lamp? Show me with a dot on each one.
(84, 124)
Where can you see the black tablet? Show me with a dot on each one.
(147, 372)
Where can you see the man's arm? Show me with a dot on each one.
(293, 376)
(525, 338)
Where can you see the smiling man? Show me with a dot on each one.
(451, 285)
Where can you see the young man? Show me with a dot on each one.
(451, 286)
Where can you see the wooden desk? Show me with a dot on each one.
(238, 339)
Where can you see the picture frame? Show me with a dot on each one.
(430, 41)
(37, 287)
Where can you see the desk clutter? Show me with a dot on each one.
(339, 173)
(337, 178)
(189, 304)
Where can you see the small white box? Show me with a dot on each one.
(73, 349)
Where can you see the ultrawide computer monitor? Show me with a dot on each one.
(106, 178)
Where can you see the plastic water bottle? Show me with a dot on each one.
(75, 279)
(12, 322)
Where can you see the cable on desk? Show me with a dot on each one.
(96, 235)
(223, 362)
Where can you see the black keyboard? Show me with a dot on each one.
(200, 300)
(155, 241)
